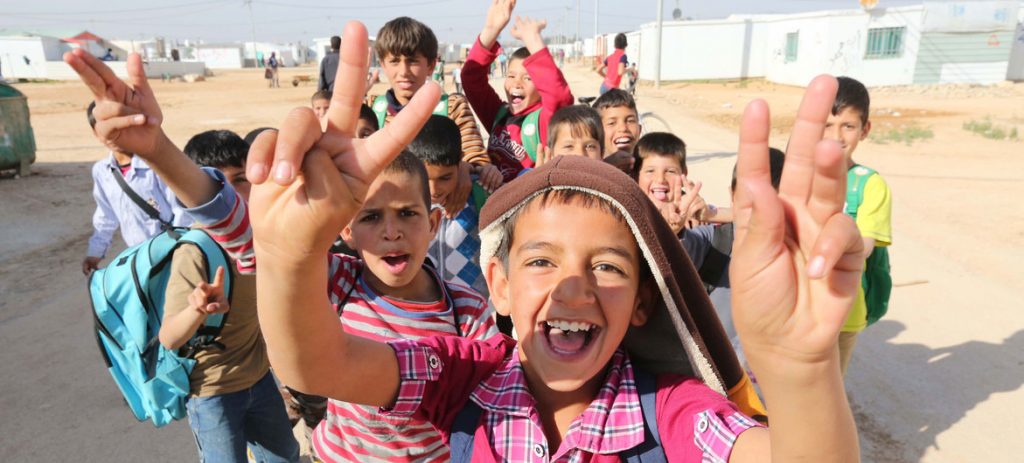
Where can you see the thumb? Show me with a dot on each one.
(218, 279)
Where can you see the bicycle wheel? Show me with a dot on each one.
(651, 122)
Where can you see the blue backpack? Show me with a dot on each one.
(128, 307)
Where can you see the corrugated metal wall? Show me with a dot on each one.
(968, 57)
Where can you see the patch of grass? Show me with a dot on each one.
(906, 134)
(988, 129)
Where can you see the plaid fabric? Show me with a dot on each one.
(455, 250)
(715, 435)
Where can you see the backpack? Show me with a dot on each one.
(529, 130)
(128, 307)
(649, 451)
(877, 277)
(380, 108)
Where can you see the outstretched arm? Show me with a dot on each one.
(128, 118)
(795, 270)
(319, 182)
(485, 101)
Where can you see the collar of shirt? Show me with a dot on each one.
(393, 105)
(612, 423)
(136, 165)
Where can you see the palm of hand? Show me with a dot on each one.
(796, 262)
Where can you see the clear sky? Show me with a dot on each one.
(301, 20)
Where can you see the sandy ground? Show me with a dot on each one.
(938, 380)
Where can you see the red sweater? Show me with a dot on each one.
(504, 146)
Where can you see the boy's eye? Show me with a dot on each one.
(369, 217)
(539, 262)
(606, 267)
(407, 213)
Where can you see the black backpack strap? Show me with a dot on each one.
(716, 263)
(146, 207)
(463, 432)
(650, 451)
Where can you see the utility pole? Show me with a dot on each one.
(657, 41)
(597, 10)
(252, 22)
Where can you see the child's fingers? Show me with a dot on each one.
(380, 148)
(343, 113)
(299, 132)
(261, 156)
(108, 128)
(751, 161)
(218, 279)
(137, 74)
(838, 246)
(89, 76)
(828, 190)
(764, 232)
(109, 85)
(798, 170)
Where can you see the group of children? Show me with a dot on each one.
(527, 300)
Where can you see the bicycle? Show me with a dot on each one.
(649, 121)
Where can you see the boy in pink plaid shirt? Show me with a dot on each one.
(599, 294)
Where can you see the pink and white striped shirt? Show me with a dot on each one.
(439, 375)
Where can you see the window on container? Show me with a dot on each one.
(885, 42)
(792, 45)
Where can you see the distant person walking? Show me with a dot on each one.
(614, 66)
(272, 65)
(329, 66)
(457, 77)
(109, 56)
(502, 61)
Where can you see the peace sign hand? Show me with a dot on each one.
(208, 298)
(797, 258)
(676, 210)
(320, 179)
(127, 114)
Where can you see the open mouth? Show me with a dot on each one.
(623, 143)
(516, 97)
(659, 193)
(396, 263)
(569, 340)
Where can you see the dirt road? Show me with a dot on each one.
(939, 380)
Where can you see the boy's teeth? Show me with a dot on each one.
(570, 326)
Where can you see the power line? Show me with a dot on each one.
(117, 11)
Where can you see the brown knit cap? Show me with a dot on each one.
(683, 335)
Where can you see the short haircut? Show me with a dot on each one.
(854, 95)
(89, 116)
(439, 142)
(776, 158)
(251, 136)
(620, 41)
(582, 119)
(217, 149)
(659, 144)
(322, 95)
(520, 53)
(335, 43)
(406, 163)
(367, 114)
(404, 36)
(615, 98)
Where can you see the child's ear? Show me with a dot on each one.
(867, 129)
(435, 219)
(644, 306)
(346, 236)
(497, 285)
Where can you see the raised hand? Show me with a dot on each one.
(543, 155)
(208, 298)
(528, 31)
(498, 16)
(489, 177)
(676, 210)
(127, 115)
(797, 258)
(320, 179)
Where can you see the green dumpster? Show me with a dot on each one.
(17, 143)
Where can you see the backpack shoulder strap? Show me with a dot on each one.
(856, 180)
(380, 108)
(463, 432)
(650, 451)
(530, 134)
(146, 207)
(716, 263)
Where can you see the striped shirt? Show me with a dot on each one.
(439, 375)
(459, 111)
(352, 432)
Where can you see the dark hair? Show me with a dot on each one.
(404, 36)
(89, 116)
(406, 163)
(322, 95)
(658, 144)
(776, 158)
(217, 149)
(335, 43)
(620, 41)
(251, 136)
(852, 94)
(439, 142)
(581, 118)
(367, 114)
(615, 98)
(520, 53)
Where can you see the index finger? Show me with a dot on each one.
(95, 74)
(350, 86)
(752, 167)
(798, 170)
(218, 278)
